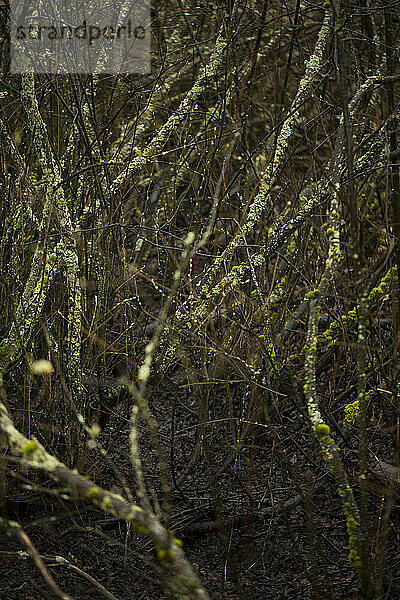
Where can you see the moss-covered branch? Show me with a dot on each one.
(184, 581)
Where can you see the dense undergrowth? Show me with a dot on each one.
(228, 223)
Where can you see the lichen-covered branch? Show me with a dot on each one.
(207, 73)
(184, 581)
(55, 199)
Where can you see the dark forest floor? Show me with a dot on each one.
(256, 553)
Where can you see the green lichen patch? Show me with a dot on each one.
(351, 412)
(107, 503)
(29, 448)
(92, 493)
(322, 429)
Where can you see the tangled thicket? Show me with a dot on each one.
(233, 217)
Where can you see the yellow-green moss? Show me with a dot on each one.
(178, 542)
(310, 295)
(351, 413)
(322, 429)
(165, 556)
(107, 503)
(92, 493)
(30, 448)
